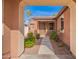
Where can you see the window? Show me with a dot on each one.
(51, 26)
(62, 24)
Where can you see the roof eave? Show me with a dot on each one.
(61, 12)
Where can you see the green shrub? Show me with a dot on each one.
(30, 34)
(53, 36)
(30, 41)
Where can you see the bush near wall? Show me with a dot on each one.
(53, 36)
(29, 41)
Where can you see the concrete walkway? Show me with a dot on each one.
(46, 47)
(45, 51)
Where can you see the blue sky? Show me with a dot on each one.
(40, 11)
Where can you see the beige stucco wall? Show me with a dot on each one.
(36, 23)
(21, 19)
(11, 13)
(6, 40)
(17, 43)
(64, 35)
(72, 7)
(11, 19)
(70, 28)
(33, 27)
(67, 27)
(46, 2)
(59, 24)
(26, 30)
(59, 32)
(13, 39)
(73, 28)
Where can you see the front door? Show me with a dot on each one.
(42, 28)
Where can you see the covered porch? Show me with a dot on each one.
(45, 26)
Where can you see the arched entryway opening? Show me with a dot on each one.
(62, 3)
(16, 27)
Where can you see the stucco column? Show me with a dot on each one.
(38, 26)
(67, 27)
(73, 28)
(46, 26)
(14, 28)
(58, 24)
(55, 22)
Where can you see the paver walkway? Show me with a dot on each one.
(43, 50)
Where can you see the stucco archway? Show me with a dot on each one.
(15, 26)
(70, 4)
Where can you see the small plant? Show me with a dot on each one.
(30, 34)
(53, 36)
(29, 41)
(37, 36)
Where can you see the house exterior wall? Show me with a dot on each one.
(73, 28)
(13, 39)
(59, 24)
(21, 19)
(11, 19)
(64, 35)
(36, 24)
(33, 26)
(16, 48)
(67, 27)
(6, 42)
(26, 30)
(59, 32)
(11, 8)
(72, 5)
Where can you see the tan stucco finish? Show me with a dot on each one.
(73, 29)
(6, 40)
(42, 22)
(17, 43)
(14, 22)
(59, 24)
(67, 27)
(11, 13)
(71, 5)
